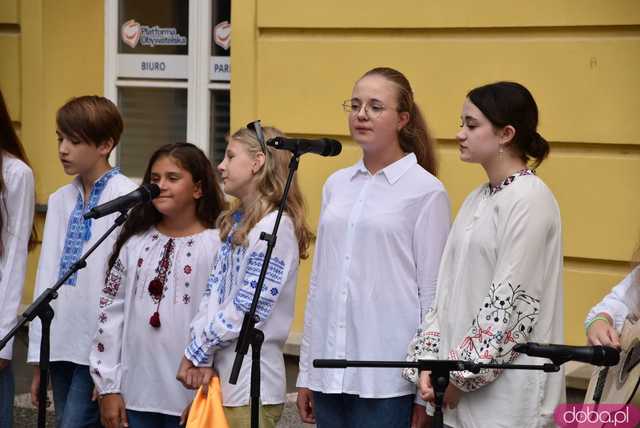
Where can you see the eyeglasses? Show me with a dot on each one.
(257, 129)
(373, 110)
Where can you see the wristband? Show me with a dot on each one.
(594, 319)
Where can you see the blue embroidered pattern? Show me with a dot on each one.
(79, 229)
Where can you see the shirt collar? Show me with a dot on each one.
(78, 183)
(392, 172)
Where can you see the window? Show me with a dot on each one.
(167, 67)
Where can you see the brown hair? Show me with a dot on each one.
(208, 207)
(90, 119)
(414, 137)
(270, 185)
(10, 143)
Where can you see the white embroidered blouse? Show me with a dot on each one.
(230, 289)
(75, 306)
(500, 283)
(131, 356)
(18, 199)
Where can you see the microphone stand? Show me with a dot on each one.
(440, 372)
(42, 309)
(249, 334)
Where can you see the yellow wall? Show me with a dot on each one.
(50, 50)
(294, 62)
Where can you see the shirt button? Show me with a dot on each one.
(347, 257)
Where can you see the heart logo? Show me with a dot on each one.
(130, 32)
(222, 35)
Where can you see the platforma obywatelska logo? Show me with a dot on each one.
(578, 415)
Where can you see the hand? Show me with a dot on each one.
(112, 411)
(451, 395)
(602, 333)
(424, 385)
(4, 364)
(35, 387)
(305, 406)
(185, 414)
(420, 418)
(193, 377)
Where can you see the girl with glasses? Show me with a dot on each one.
(157, 276)
(382, 228)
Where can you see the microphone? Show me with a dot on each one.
(560, 354)
(299, 146)
(142, 194)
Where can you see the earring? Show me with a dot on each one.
(500, 153)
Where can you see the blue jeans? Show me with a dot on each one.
(351, 411)
(7, 391)
(72, 390)
(138, 419)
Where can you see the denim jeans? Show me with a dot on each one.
(151, 420)
(351, 411)
(72, 390)
(7, 390)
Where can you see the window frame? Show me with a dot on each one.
(198, 83)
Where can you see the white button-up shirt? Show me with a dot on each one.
(379, 244)
(17, 217)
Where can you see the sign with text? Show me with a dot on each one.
(152, 66)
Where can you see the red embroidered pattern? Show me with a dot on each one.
(157, 285)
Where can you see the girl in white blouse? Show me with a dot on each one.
(500, 281)
(383, 224)
(16, 218)
(606, 319)
(255, 175)
(157, 275)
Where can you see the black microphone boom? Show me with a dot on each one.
(144, 193)
(560, 354)
(321, 146)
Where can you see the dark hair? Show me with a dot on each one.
(10, 143)
(90, 119)
(510, 103)
(414, 136)
(208, 207)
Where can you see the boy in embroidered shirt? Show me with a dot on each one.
(88, 128)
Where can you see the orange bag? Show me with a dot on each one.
(207, 412)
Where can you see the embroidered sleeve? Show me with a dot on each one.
(223, 325)
(104, 359)
(425, 344)
(507, 317)
(528, 266)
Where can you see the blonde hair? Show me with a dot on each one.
(270, 182)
